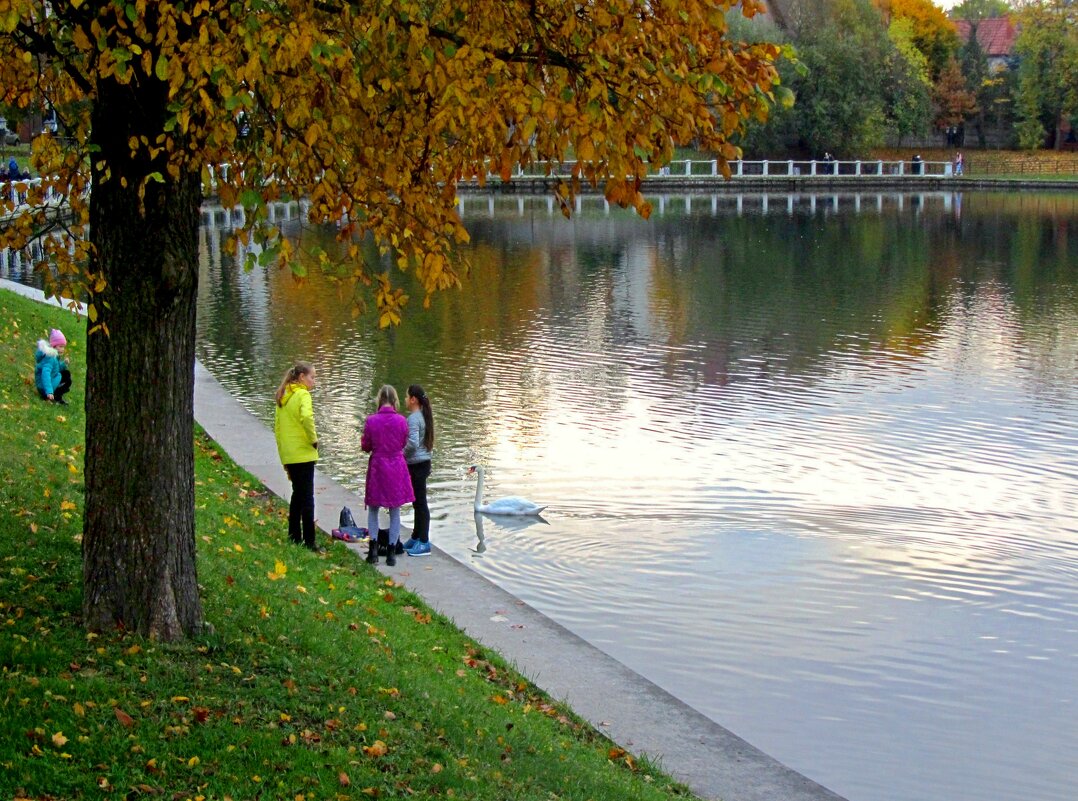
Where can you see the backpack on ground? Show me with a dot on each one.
(348, 530)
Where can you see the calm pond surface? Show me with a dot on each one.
(811, 461)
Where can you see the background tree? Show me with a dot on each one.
(933, 33)
(841, 105)
(1047, 91)
(996, 99)
(974, 66)
(856, 81)
(955, 103)
(976, 10)
(373, 111)
(762, 138)
(909, 86)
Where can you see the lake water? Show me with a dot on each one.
(811, 461)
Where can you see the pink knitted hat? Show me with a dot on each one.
(57, 338)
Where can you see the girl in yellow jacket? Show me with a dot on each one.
(297, 445)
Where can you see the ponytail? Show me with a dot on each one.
(416, 391)
(291, 376)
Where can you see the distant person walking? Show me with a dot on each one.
(297, 445)
(959, 163)
(388, 484)
(51, 374)
(417, 453)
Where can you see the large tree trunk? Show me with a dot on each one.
(139, 533)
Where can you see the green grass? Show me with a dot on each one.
(1026, 178)
(322, 679)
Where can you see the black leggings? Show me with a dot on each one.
(61, 388)
(301, 508)
(420, 472)
(65, 385)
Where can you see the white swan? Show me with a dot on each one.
(503, 506)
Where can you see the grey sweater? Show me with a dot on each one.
(414, 452)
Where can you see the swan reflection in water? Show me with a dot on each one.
(501, 522)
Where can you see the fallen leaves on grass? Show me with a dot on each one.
(376, 749)
(125, 719)
(420, 616)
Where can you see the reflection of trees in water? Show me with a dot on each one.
(794, 288)
(626, 308)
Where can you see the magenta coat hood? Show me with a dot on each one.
(388, 483)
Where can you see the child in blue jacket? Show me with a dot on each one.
(51, 373)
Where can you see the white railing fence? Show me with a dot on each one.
(18, 190)
(790, 168)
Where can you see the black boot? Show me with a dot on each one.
(372, 552)
(391, 556)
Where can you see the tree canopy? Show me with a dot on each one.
(1047, 94)
(933, 33)
(976, 10)
(955, 102)
(372, 110)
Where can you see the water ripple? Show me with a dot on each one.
(832, 466)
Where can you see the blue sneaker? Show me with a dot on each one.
(410, 543)
(419, 549)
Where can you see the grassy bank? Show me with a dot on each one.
(321, 680)
(1023, 165)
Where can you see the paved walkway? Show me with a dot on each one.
(637, 714)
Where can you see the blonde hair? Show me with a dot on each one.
(291, 376)
(387, 396)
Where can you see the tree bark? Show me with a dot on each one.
(139, 531)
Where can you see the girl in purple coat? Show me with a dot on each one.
(388, 483)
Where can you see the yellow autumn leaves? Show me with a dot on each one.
(375, 111)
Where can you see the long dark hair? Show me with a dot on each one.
(416, 391)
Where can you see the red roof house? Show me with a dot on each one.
(996, 37)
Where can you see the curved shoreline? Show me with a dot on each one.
(637, 714)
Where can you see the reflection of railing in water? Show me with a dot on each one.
(19, 264)
(282, 211)
(697, 203)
